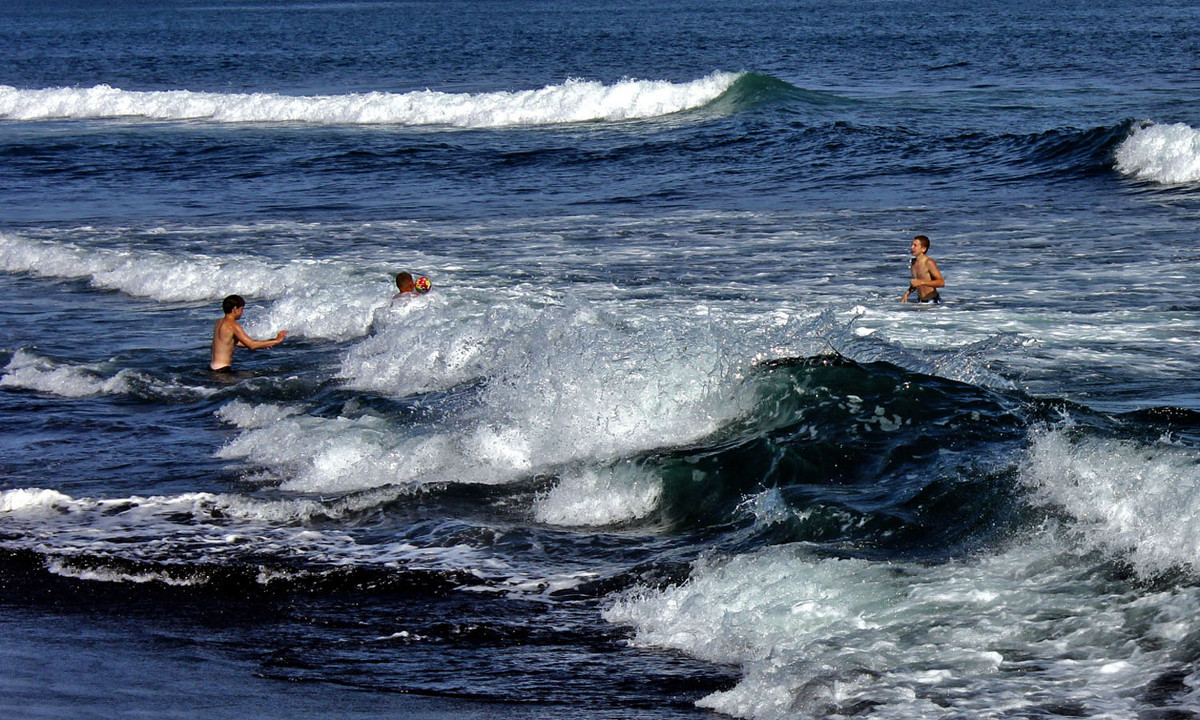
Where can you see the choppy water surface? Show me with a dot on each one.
(661, 442)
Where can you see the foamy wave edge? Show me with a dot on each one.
(1167, 154)
(1139, 500)
(570, 102)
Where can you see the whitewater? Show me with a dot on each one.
(662, 442)
(573, 101)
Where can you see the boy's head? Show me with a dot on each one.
(404, 282)
(231, 302)
(922, 241)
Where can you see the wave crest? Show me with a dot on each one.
(1138, 500)
(1166, 154)
(573, 101)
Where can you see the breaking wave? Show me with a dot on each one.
(573, 101)
(1168, 154)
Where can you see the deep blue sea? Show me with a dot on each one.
(661, 443)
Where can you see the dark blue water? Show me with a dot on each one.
(661, 442)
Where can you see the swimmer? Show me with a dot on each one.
(229, 334)
(404, 283)
(409, 287)
(926, 278)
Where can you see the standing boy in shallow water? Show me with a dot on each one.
(228, 334)
(926, 278)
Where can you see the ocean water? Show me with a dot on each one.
(661, 442)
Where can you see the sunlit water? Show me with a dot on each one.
(661, 441)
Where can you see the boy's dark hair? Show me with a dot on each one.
(231, 302)
(923, 240)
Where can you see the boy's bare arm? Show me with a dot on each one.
(250, 343)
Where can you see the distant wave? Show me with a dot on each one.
(573, 101)
(1161, 153)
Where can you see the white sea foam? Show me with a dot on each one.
(316, 299)
(425, 343)
(138, 272)
(564, 386)
(32, 499)
(246, 416)
(66, 569)
(315, 454)
(607, 387)
(1161, 153)
(179, 531)
(1139, 500)
(26, 369)
(33, 372)
(603, 496)
(1011, 635)
(570, 102)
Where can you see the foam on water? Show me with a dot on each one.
(428, 343)
(170, 536)
(531, 384)
(315, 454)
(570, 102)
(22, 499)
(1139, 501)
(452, 336)
(610, 385)
(1035, 628)
(604, 389)
(1025, 632)
(600, 496)
(33, 372)
(139, 272)
(180, 540)
(1161, 153)
(66, 569)
(325, 299)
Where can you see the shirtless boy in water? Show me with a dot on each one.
(228, 334)
(926, 278)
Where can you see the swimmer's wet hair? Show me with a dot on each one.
(231, 302)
